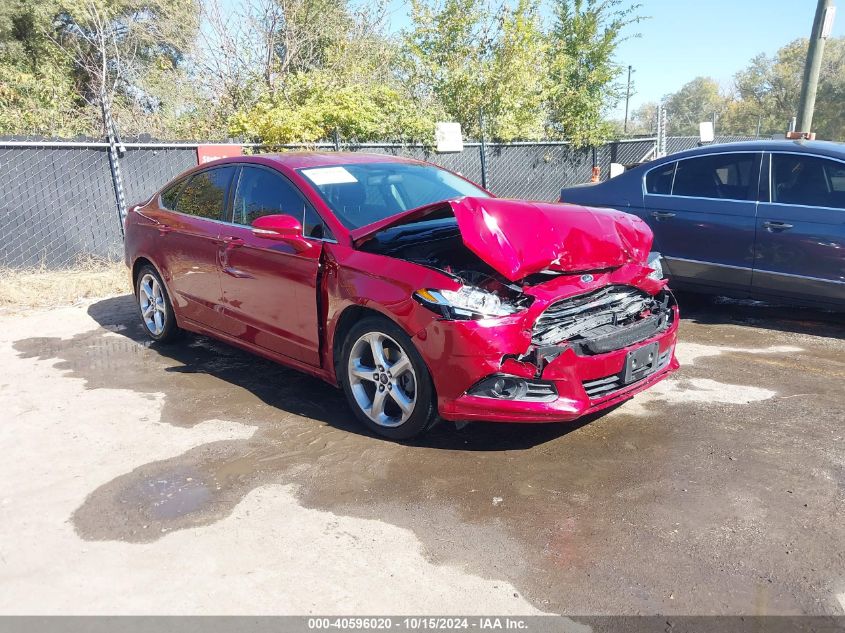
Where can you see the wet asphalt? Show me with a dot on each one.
(723, 492)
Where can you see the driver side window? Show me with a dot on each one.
(260, 192)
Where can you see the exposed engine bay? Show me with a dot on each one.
(438, 244)
(597, 322)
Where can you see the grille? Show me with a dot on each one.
(581, 315)
(600, 387)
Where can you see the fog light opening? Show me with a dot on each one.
(501, 388)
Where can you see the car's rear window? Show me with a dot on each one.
(363, 193)
(659, 179)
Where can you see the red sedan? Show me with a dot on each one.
(416, 291)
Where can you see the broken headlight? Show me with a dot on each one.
(655, 262)
(467, 302)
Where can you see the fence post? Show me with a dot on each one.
(114, 162)
(483, 150)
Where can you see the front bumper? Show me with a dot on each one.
(461, 353)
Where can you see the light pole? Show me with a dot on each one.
(822, 25)
(627, 98)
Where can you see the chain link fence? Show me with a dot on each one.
(58, 199)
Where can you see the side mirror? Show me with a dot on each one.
(277, 227)
(284, 228)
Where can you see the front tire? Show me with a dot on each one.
(154, 306)
(386, 381)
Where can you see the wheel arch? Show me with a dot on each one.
(344, 322)
(139, 263)
(348, 317)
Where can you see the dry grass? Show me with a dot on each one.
(42, 288)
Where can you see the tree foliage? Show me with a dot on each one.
(56, 56)
(338, 78)
(526, 79)
(764, 96)
(304, 70)
(583, 75)
(696, 101)
(37, 93)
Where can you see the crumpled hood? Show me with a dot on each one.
(518, 238)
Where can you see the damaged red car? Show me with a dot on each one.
(417, 292)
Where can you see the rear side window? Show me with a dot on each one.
(659, 179)
(723, 176)
(808, 180)
(169, 195)
(205, 194)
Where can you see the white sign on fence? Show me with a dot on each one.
(616, 169)
(448, 137)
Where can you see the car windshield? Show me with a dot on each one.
(363, 193)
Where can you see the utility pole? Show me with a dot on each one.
(822, 26)
(627, 98)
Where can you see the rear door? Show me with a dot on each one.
(270, 286)
(188, 243)
(801, 229)
(702, 211)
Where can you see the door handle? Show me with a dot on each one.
(238, 274)
(771, 225)
(662, 215)
(233, 242)
(163, 229)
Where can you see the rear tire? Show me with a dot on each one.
(386, 381)
(154, 306)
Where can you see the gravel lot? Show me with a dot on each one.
(198, 479)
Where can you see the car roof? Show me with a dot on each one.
(300, 160)
(824, 148)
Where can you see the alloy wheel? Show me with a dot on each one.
(383, 380)
(152, 304)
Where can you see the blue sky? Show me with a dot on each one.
(683, 39)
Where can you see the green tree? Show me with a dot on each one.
(583, 76)
(695, 102)
(57, 55)
(768, 90)
(346, 84)
(313, 107)
(448, 57)
(480, 65)
(517, 82)
(642, 120)
(37, 91)
(131, 51)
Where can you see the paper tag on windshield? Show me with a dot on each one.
(328, 175)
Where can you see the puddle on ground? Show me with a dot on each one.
(171, 495)
(617, 510)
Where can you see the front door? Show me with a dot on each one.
(801, 229)
(269, 286)
(702, 212)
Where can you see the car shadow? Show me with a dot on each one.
(296, 393)
(715, 310)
